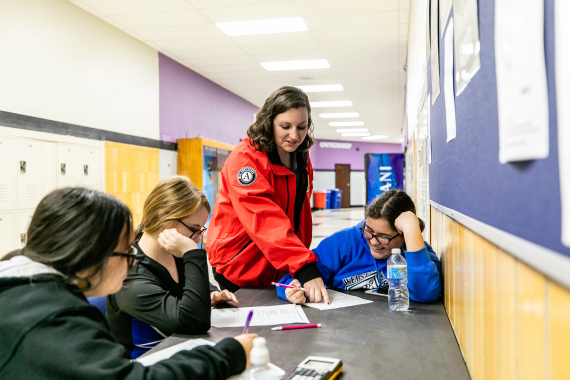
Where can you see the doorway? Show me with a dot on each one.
(342, 182)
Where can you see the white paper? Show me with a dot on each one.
(521, 80)
(434, 52)
(444, 9)
(448, 83)
(338, 300)
(168, 352)
(562, 63)
(428, 106)
(467, 45)
(276, 369)
(262, 316)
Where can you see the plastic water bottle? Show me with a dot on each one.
(398, 298)
(259, 358)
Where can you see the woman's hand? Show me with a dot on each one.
(175, 243)
(408, 224)
(296, 296)
(223, 296)
(246, 341)
(315, 290)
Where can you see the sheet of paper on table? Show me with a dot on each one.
(338, 300)
(262, 316)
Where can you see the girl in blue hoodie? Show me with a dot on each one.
(356, 257)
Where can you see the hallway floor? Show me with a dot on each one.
(327, 222)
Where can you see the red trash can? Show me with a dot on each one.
(319, 199)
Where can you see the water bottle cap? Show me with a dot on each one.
(396, 250)
(259, 353)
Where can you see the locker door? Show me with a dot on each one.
(7, 174)
(22, 225)
(29, 173)
(91, 168)
(68, 165)
(7, 231)
(49, 166)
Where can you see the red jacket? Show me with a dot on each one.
(251, 239)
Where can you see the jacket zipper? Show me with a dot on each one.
(287, 210)
(240, 251)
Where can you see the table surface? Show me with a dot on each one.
(372, 341)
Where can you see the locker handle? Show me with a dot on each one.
(23, 239)
(86, 170)
(23, 167)
(62, 169)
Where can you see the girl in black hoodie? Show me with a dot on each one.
(80, 245)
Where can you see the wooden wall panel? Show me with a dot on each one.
(478, 305)
(559, 332)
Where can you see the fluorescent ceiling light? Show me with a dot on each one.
(321, 88)
(346, 123)
(268, 26)
(339, 103)
(353, 134)
(338, 115)
(344, 130)
(375, 137)
(306, 64)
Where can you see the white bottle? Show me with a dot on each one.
(398, 297)
(259, 358)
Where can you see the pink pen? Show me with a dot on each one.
(285, 286)
(296, 327)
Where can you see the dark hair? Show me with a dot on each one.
(389, 205)
(281, 100)
(76, 229)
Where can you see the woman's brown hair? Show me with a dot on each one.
(174, 198)
(389, 205)
(281, 100)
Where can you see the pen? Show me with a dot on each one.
(295, 327)
(249, 316)
(285, 286)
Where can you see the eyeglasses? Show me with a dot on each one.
(194, 232)
(380, 239)
(132, 256)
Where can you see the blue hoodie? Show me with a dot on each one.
(345, 262)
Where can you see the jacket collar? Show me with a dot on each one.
(298, 158)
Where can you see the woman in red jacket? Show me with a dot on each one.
(261, 227)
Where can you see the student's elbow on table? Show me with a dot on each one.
(428, 293)
(194, 323)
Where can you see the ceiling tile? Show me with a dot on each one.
(232, 51)
(348, 44)
(195, 43)
(283, 48)
(214, 69)
(351, 20)
(256, 75)
(236, 60)
(330, 7)
(125, 7)
(403, 29)
(274, 39)
(404, 16)
(345, 34)
(162, 19)
(289, 56)
(201, 4)
(404, 4)
(253, 12)
(179, 32)
(87, 8)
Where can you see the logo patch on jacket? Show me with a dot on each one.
(368, 280)
(246, 176)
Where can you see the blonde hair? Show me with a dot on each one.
(174, 198)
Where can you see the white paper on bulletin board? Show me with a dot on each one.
(434, 52)
(562, 63)
(467, 45)
(444, 9)
(449, 95)
(521, 80)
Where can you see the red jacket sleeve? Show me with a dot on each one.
(264, 221)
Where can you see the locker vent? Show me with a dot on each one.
(3, 197)
(30, 192)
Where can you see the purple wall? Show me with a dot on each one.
(326, 158)
(191, 105)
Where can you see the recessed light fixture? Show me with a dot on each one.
(338, 115)
(321, 88)
(267, 26)
(345, 130)
(355, 134)
(375, 137)
(338, 103)
(346, 123)
(307, 64)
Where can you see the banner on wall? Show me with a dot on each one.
(383, 172)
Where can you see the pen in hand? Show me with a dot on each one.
(247, 321)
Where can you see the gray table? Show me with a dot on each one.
(372, 341)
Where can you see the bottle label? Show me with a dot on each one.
(398, 273)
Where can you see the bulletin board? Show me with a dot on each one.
(521, 198)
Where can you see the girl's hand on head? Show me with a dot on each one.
(223, 296)
(407, 222)
(175, 243)
(296, 296)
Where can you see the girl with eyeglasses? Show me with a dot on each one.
(80, 245)
(356, 257)
(168, 290)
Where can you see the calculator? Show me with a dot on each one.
(317, 368)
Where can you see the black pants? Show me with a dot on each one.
(224, 282)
